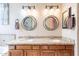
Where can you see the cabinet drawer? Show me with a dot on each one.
(23, 47)
(16, 53)
(35, 47)
(69, 47)
(48, 53)
(44, 47)
(63, 53)
(31, 53)
(57, 47)
(70, 52)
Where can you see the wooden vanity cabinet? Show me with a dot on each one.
(41, 50)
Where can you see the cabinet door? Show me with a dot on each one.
(56, 47)
(23, 47)
(44, 47)
(56, 53)
(16, 53)
(32, 53)
(36, 47)
(64, 52)
(48, 53)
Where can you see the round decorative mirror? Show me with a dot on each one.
(29, 23)
(51, 23)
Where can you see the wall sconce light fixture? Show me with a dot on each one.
(50, 7)
(57, 6)
(29, 7)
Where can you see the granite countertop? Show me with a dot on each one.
(41, 41)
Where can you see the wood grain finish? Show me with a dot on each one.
(63, 53)
(48, 53)
(42, 50)
(69, 47)
(16, 53)
(23, 47)
(35, 47)
(44, 47)
(31, 53)
(57, 47)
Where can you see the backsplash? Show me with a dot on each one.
(34, 37)
(6, 38)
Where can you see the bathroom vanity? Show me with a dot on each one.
(41, 47)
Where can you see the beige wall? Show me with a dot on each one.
(17, 12)
(78, 28)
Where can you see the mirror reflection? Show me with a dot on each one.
(51, 23)
(29, 23)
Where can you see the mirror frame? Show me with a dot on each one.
(34, 20)
(47, 18)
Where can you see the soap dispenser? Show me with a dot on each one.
(73, 21)
(17, 24)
